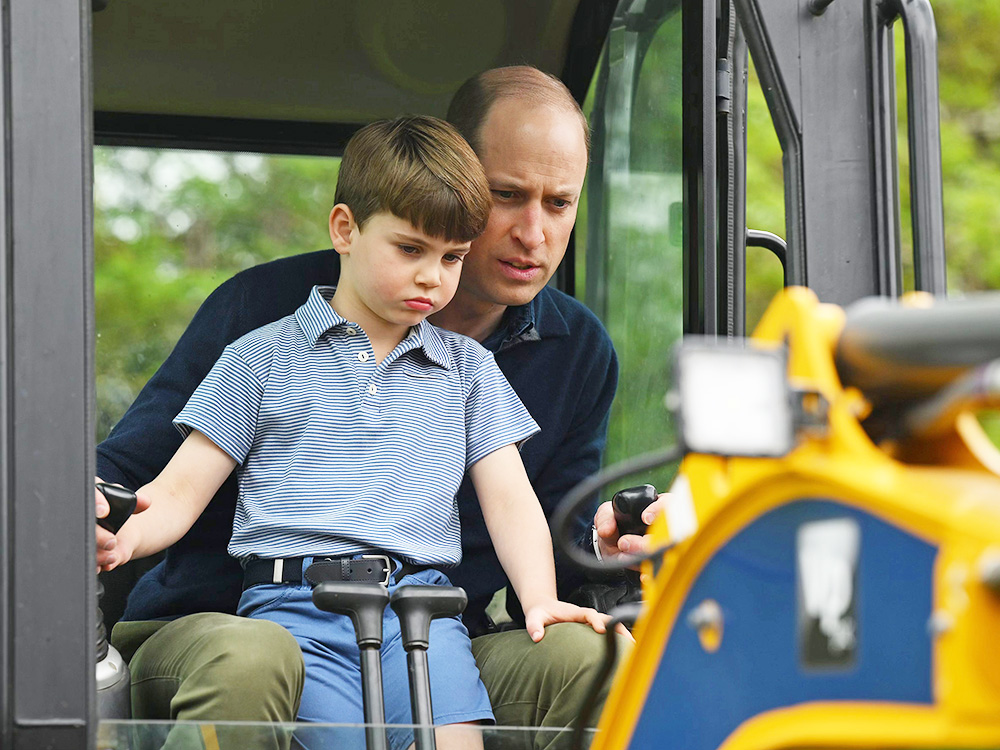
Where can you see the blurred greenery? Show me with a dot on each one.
(169, 227)
(172, 225)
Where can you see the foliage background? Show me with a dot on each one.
(171, 226)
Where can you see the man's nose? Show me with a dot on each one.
(528, 229)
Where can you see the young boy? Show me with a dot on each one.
(351, 424)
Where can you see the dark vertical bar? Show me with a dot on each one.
(700, 219)
(731, 70)
(739, 141)
(46, 456)
(884, 152)
(926, 193)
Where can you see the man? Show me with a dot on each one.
(192, 660)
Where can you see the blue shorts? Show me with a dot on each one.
(332, 691)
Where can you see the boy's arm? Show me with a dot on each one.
(522, 541)
(176, 498)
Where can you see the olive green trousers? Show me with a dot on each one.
(213, 667)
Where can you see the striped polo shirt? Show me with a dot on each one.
(338, 454)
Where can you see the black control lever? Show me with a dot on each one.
(628, 505)
(364, 603)
(416, 606)
(122, 503)
(113, 677)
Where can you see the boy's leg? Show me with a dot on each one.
(332, 692)
(213, 667)
(458, 697)
(543, 684)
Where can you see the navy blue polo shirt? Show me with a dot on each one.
(338, 454)
(554, 352)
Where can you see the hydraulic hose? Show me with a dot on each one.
(568, 510)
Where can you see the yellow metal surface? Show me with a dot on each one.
(950, 498)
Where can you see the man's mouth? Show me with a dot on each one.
(519, 265)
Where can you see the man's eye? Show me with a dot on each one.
(561, 203)
(504, 194)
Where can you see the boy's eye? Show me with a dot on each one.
(409, 249)
(450, 258)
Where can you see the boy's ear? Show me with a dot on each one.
(342, 228)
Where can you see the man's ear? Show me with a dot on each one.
(342, 228)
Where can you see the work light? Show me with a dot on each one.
(732, 398)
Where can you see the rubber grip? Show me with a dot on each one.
(122, 502)
(628, 505)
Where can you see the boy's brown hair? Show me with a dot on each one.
(419, 169)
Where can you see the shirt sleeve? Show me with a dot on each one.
(225, 406)
(494, 415)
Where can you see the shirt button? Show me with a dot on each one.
(372, 389)
(363, 356)
(351, 331)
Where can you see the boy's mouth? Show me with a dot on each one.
(421, 304)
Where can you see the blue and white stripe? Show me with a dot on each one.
(339, 455)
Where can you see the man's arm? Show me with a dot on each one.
(522, 541)
(579, 456)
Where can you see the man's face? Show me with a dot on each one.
(535, 159)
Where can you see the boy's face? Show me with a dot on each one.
(392, 270)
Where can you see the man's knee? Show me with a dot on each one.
(244, 652)
(575, 649)
(216, 666)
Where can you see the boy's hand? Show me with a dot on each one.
(553, 611)
(611, 544)
(109, 553)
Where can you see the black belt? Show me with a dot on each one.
(364, 568)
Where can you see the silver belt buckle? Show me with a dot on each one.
(388, 566)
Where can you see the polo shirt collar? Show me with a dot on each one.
(317, 316)
(427, 336)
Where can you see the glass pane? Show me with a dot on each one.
(765, 202)
(169, 227)
(634, 229)
(171, 735)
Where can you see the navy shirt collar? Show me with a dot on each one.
(537, 320)
(317, 316)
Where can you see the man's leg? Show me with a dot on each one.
(543, 684)
(213, 667)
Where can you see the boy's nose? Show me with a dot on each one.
(429, 276)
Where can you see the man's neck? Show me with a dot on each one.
(472, 317)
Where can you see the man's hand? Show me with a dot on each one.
(553, 611)
(611, 544)
(108, 556)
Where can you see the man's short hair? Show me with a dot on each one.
(474, 98)
(419, 169)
